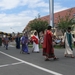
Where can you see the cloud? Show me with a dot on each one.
(37, 3)
(58, 7)
(16, 22)
(9, 4)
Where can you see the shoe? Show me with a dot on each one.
(56, 58)
(65, 55)
(28, 53)
(72, 56)
(46, 59)
(37, 52)
(6, 48)
(32, 51)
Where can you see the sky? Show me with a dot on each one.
(15, 14)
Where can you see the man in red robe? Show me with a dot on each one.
(48, 49)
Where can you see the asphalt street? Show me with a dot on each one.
(14, 63)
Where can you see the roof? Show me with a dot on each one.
(61, 13)
(56, 15)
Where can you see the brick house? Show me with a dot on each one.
(47, 18)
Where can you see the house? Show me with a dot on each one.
(56, 19)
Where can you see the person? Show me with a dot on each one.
(24, 42)
(68, 38)
(18, 41)
(48, 50)
(6, 42)
(42, 37)
(0, 41)
(35, 40)
(57, 40)
(3, 41)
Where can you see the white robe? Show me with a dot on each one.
(36, 46)
(67, 47)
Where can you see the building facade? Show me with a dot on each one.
(56, 31)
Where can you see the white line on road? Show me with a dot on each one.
(33, 65)
(11, 64)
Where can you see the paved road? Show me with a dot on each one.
(14, 63)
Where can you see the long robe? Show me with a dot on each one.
(17, 42)
(48, 45)
(35, 40)
(68, 38)
(6, 42)
(0, 41)
(24, 42)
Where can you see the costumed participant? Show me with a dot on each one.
(35, 40)
(3, 41)
(0, 41)
(24, 42)
(6, 42)
(17, 39)
(48, 50)
(68, 38)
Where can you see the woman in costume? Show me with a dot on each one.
(35, 40)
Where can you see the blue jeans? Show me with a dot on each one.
(6, 46)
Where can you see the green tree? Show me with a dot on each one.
(65, 21)
(38, 25)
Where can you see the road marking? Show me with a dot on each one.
(11, 64)
(33, 65)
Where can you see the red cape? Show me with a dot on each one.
(34, 39)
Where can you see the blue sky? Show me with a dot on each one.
(15, 14)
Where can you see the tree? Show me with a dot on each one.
(65, 21)
(38, 25)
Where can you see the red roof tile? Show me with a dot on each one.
(61, 13)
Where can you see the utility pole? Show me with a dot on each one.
(51, 11)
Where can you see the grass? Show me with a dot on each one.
(40, 46)
(56, 46)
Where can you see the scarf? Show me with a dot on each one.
(69, 39)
